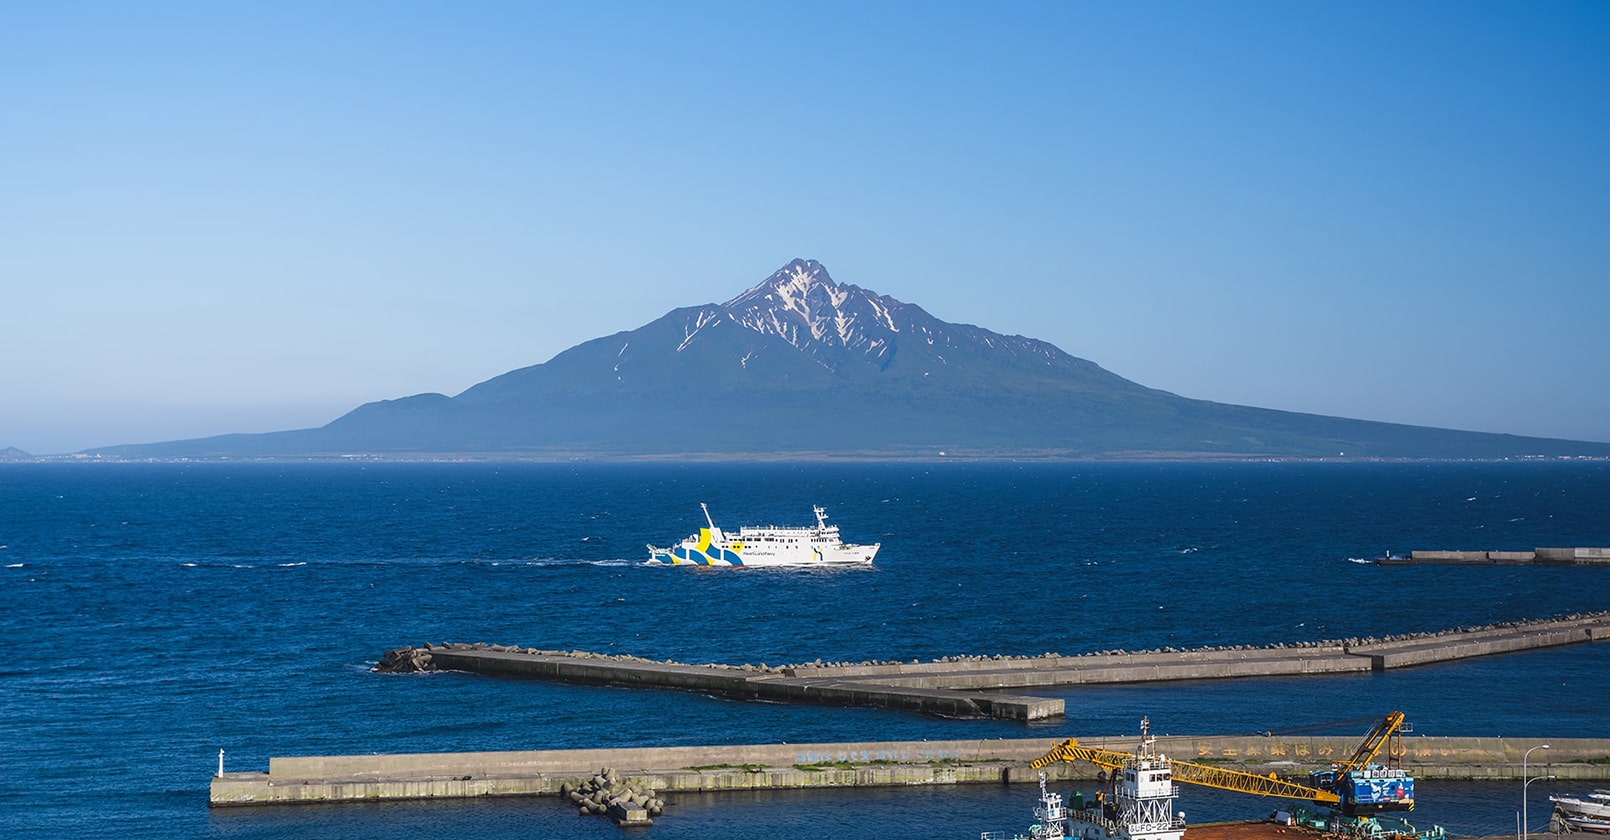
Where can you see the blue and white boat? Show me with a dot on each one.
(769, 545)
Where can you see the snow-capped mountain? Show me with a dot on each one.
(800, 329)
(845, 324)
(800, 365)
(803, 306)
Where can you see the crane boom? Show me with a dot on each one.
(1196, 774)
(1236, 780)
(1366, 752)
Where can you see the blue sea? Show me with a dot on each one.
(155, 613)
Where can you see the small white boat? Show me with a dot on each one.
(769, 545)
(1584, 813)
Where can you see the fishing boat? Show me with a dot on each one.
(769, 545)
(1136, 804)
(1583, 813)
(1051, 820)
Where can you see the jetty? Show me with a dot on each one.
(973, 687)
(368, 778)
(1535, 557)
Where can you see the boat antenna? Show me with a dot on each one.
(706, 509)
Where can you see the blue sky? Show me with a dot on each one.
(221, 217)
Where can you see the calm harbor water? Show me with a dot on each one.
(156, 613)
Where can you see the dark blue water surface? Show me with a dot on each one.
(153, 614)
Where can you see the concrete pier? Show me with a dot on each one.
(861, 764)
(1535, 557)
(968, 687)
(820, 690)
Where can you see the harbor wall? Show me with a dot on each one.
(954, 665)
(1480, 642)
(969, 687)
(854, 764)
(930, 699)
(1538, 556)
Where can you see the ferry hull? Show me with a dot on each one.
(709, 555)
(769, 546)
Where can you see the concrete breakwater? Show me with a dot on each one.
(970, 686)
(1535, 557)
(860, 764)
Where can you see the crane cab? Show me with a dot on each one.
(1374, 789)
(1368, 790)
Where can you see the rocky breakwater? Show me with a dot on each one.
(970, 686)
(405, 660)
(746, 682)
(628, 804)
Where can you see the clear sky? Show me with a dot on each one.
(251, 216)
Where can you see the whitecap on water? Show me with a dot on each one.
(14, 565)
(574, 561)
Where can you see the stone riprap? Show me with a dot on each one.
(628, 804)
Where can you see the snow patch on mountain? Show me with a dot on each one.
(801, 305)
(704, 319)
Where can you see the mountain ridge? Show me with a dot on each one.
(799, 363)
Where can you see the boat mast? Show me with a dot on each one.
(706, 509)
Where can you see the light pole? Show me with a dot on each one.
(1524, 783)
(1524, 786)
(1523, 759)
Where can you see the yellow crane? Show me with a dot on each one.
(1389, 729)
(1353, 785)
(1196, 774)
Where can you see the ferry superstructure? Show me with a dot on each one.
(769, 545)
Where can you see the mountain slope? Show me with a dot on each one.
(801, 364)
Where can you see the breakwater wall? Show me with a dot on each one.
(858, 764)
(1535, 557)
(824, 690)
(968, 687)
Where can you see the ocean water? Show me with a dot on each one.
(156, 613)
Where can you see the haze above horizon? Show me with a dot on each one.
(251, 217)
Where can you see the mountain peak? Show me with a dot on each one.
(801, 304)
(793, 281)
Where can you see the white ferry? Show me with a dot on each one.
(771, 545)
